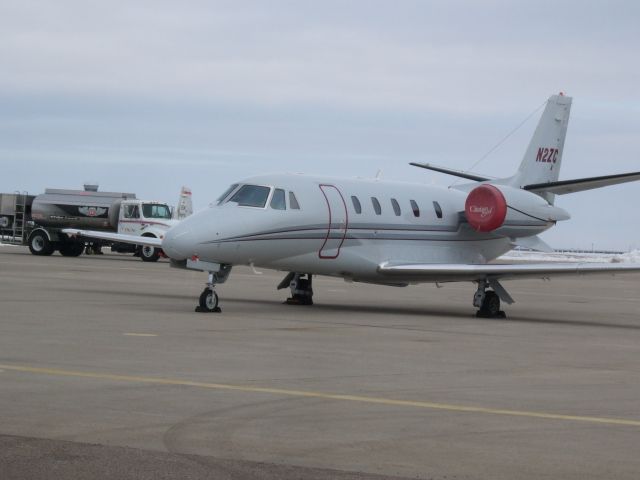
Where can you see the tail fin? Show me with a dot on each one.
(185, 207)
(543, 158)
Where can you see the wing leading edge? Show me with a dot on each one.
(467, 272)
(114, 237)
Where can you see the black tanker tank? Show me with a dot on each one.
(85, 209)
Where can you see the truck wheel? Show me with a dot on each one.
(39, 244)
(72, 249)
(149, 254)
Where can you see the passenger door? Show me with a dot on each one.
(337, 224)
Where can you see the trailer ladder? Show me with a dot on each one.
(15, 234)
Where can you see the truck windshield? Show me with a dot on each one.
(251, 196)
(154, 210)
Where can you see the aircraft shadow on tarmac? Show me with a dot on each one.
(374, 310)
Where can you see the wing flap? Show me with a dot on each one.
(114, 237)
(468, 272)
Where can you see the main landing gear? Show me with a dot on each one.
(488, 301)
(208, 302)
(301, 288)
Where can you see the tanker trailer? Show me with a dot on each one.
(98, 211)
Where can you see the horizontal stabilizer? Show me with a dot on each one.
(114, 237)
(571, 186)
(449, 171)
(468, 272)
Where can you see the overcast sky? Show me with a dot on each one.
(147, 96)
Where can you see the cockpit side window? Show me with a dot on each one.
(293, 201)
(278, 200)
(251, 196)
(227, 192)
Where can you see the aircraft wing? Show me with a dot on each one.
(114, 237)
(450, 171)
(467, 272)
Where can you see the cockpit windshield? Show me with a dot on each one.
(251, 196)
(226, 193)
(155, 210)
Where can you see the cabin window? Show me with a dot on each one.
(151, 210)
(131, 211)
(227, 192)
(415, 208)
(356, 204)
(376, 205)
(396, 207)
(436, 207)
(278, 200)
(293, 202)
(251, 196)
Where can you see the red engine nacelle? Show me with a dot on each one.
(509, 211)
(485, 208)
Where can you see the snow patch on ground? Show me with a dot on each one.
(568, 257)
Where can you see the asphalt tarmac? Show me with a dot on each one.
(106, 371)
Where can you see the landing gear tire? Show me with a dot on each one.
(39, 244)
(72, 249)
(490, 307)
(149, 254)
(301, 290)
(208, 302)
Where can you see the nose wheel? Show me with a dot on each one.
(208, 301)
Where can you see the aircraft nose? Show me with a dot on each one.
(179, 242)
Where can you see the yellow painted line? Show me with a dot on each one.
(326, 396)
(140, 334)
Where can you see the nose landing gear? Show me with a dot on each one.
(208, 301)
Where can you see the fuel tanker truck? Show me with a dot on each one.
(89, 209)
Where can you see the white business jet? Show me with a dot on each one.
(384, 232)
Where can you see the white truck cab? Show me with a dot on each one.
(146, 219)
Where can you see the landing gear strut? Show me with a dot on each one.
(301, 288)
(488, 301)
(208, 302)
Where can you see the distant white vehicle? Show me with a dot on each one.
(388, 233)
